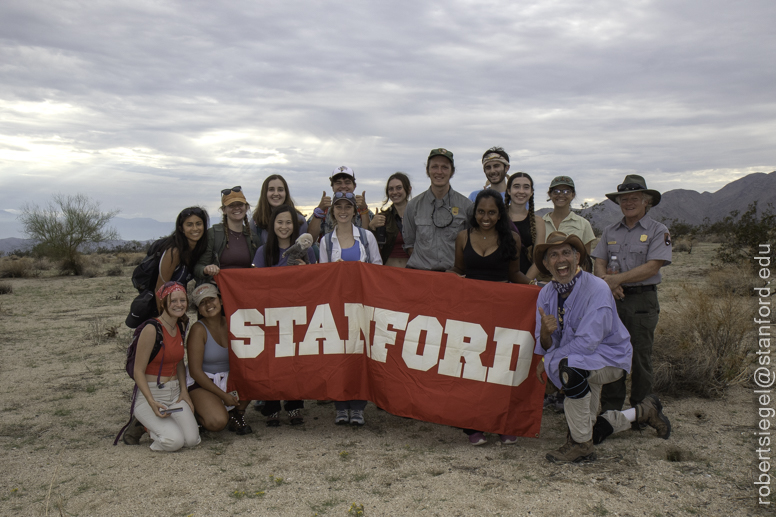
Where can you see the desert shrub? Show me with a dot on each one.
(6, 288)
(90, 272)
(130, 259)
(735, 280)
(43, 264)
(744, 235)
(15, 267)
(115, 270)
(701, 346)
(683, 244)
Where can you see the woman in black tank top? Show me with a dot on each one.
(489, 250)
(519, 200)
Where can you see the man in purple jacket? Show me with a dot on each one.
(585, 345)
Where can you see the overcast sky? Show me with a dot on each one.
(150, 107)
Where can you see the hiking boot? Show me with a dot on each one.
(572, 452)
(343, 417)
(134, 432)
(650, 412)
(477, 438)
(357, 417)
(295, 417)
(507, 439)
(237, 422)
(273, 420)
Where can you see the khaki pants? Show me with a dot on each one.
(582, 413)
(172, 432)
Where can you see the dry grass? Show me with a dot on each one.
(700, 345)
(18, 267)
(6, 288)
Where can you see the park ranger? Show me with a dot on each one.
(628, 258)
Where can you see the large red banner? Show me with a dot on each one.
(430, 346)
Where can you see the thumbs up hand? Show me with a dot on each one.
(361, 201)
(549, 322)
(325, 203)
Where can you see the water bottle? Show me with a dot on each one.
(614, 266)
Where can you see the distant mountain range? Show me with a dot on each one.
(692, 207)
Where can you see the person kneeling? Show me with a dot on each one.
(585, 345)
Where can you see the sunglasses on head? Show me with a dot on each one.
(627, 187)
(228, 191)
(345, 195)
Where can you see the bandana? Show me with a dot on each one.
(566, 288)
(495, 157)
(169, 288)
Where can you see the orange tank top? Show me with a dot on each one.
(172, 351)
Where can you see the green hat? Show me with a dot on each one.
(562, 180)
(442, 152)
(634, 183)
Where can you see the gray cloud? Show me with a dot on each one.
(153, 107)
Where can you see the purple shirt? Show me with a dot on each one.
(258, 259)
(593, 335)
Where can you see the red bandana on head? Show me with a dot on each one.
(169, 288)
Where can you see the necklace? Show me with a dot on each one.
(169, 326)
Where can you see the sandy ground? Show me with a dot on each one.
(64, 396)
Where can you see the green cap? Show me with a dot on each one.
(562, 180)
(442, 152)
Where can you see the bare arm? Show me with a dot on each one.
(195, 350)
(459, 267)
(145, 345)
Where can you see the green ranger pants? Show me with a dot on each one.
(639, 313)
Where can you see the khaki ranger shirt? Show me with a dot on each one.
(434, 248)
(647, 240)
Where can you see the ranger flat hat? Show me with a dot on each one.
(634, 183)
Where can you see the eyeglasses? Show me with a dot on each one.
(559, 191)
(626, 187)
(228, 191)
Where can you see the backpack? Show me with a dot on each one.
(144, 277)
(364, 241)
(130, 361)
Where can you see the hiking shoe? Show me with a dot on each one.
(273, 420)
(134, 432)
(507, 439)
(295, 417)
(257, 405)
(572, 452)
(343, 417)
(237, 422)
(357, 417)
(477, 438)
(650, 412)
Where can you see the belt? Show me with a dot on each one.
(638, 289)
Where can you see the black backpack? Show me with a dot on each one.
(130, 362)
(144, 280)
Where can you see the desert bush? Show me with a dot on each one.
(43, 264)
(737, 280)
(90, 272)
(683, 244)
(6, 288)
(744, 235)
(115, 270)
(701, 346)
(15, 267)
(131, 259)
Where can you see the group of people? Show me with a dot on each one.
(596, 312)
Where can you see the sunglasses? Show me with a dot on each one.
(344, 195)
(559, 191)
(228, 191)
(627, 187)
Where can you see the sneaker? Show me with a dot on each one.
(572, 452)
(343, 417)
(650, 412)
(477, 438)
(257, 405)
(357, 417)
(295, 417)
(237, 422)
(273, 420)
(507, 439)
(134, 432)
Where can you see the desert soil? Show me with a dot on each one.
(65, 395)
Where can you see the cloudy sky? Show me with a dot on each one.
(150, 107)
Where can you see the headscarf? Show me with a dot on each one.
(168, 288)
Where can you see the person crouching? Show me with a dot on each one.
(585, 345)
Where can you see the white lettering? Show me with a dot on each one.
(383, 337)
(285, 318)
(243, 326)
(459, 348)
(506, 340)
(433, 343)
(359, 324)
(322, 326)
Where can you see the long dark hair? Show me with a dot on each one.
(271, 248)
(263, 210)
(508, 201)
(506, 241)
(179, 241)
(405, 183)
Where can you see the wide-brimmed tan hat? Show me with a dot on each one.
(634, 183)
(556, 239)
